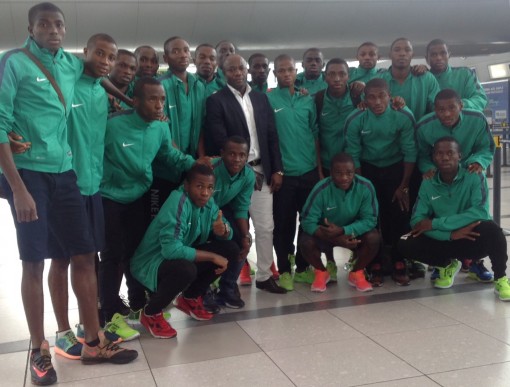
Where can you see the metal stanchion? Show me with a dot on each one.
(496, 185)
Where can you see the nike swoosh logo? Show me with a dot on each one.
(41, 79)
(435, 197)
(330, 208)
(365, 131)
(75, 105)
(126, 145)
(277, 110)
(171, 106)
(39, 373)
(324, 114)
(217, 190)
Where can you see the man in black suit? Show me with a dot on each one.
(239, 110)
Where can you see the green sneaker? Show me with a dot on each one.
(332, 271)
(447, 274)
(292, 260)
(307, 276)
(502, 288)
(133, 317)
(286, 281)
(119, 326)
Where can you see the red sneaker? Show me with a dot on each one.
(320, 281)
(358, 280)
(276, 275)
(244, 277)
(157, 325)
(193, 307)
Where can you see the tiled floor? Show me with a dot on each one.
(394, 337)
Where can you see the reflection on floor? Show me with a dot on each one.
(394, 336)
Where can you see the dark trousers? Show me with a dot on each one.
(393, 221)
(189, 277)
(491, 242)
(287, 202)
(125, 226)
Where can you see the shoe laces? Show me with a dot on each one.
(43, 361)
(481, 267)
(71, 338)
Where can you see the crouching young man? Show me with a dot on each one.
(451, 219)
(341, 211)
(186, 247)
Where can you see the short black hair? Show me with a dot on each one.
(256, 55)
(364, 44)
(447, 94)
(226, 41)
(281, 57)
(140, 48)
(204, 45)
(198, 169)
(138, 90)
(341, 158)
(447, 139)
(123, 51)
(311, 49)
(42, 7)
(170, 40)
(398, 40)
(435, 42)
(101, 36)
(377, 83)
(336, 61)
(236, 139)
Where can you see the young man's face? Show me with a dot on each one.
(236, 72)
(337, 76)
(100, 58)
(401, 54)
(437, 58)
(150, 106)
(342, 175)
(205, 60)
(224, 50)
(200, 189)
(124, 70)
(446, 156)
(259, 69)
(313, 63)
(285, 72)
(448, 111)
(234, 157)
(367, 56)
(377, 99)
(147, 62)
(48, 30)
(177, 55)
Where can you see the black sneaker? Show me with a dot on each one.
(417, 270)
(41, 369)
(210, 303)
(230, 300)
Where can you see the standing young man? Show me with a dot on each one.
(312, 78)
(206, 63)
(30, 180)
(121, 75)
(259, 70)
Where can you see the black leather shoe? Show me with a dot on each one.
(270, 285)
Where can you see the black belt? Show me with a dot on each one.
(254, 163)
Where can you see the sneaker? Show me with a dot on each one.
(274, 270)
(285, 281)
(358, 280)
(307, 276)
(41, 370)
(106, 352)
(434, 275)
(244, 277)
(447, 275)
(321, 278)
(67, 345)
(417, 270)
(479, 272)
(399, 274)
(157, 326)
(119, 326)
(80, 335)
(376, 275)
(466, 264)
(292, 260)
(134, 316)
(209, 301)
(231, 300)
(332, 270)
(193, 307)
(502, 288)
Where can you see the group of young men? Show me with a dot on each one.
(160, 176)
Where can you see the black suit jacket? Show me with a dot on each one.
(225, 118)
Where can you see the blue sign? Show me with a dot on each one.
(497, 111)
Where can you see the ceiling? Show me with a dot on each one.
(471, 27)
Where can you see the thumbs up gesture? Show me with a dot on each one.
(220, 228)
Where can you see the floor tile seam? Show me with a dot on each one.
(485, 333)
(466, 368)
(277, 366)
(393, 380)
